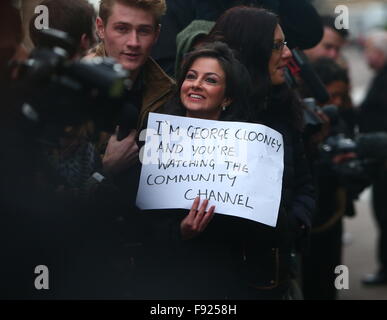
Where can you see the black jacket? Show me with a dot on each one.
(301, 23)
(373, 111)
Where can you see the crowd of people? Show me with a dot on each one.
(70, 204)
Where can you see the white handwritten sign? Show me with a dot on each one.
(237, 166)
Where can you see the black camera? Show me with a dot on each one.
(313, 122)
(360, 158)
(355, 161)
(57, 92)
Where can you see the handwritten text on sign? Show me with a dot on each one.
(237, 166)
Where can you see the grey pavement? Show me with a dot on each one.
(359, 252)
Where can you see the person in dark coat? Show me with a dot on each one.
(76, 235)
(203, 251)
(258, 39)
(335, 194)
(373, 118)
(234, 258)
(299, 19)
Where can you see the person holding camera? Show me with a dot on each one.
(373, 118)
(75, 17)
(60, 164)
(74, 158)
(335, 190)
(34, 221)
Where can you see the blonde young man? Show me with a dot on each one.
(128, 30)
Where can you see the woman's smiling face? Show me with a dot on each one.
(203, 90)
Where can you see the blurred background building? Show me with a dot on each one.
(364, 15)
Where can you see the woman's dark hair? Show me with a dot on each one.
(249, 31)
(329, 71)
(238, 83)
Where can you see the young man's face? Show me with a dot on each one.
(129, 35)
(329, 47)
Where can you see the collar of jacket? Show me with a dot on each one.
(158, 86)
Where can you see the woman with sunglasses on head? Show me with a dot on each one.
(257, 37)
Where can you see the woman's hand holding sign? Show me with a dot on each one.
(197, 220)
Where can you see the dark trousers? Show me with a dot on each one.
(318, 274)
(379, 201)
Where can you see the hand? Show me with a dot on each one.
(340, 158)
(120, 155)
(321, 135)
(196, 221)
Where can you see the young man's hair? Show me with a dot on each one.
(75, 17)
(156, 7)
(330, 71)
(329, 22)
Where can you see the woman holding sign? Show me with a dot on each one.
(259, 41)
(198, 254)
